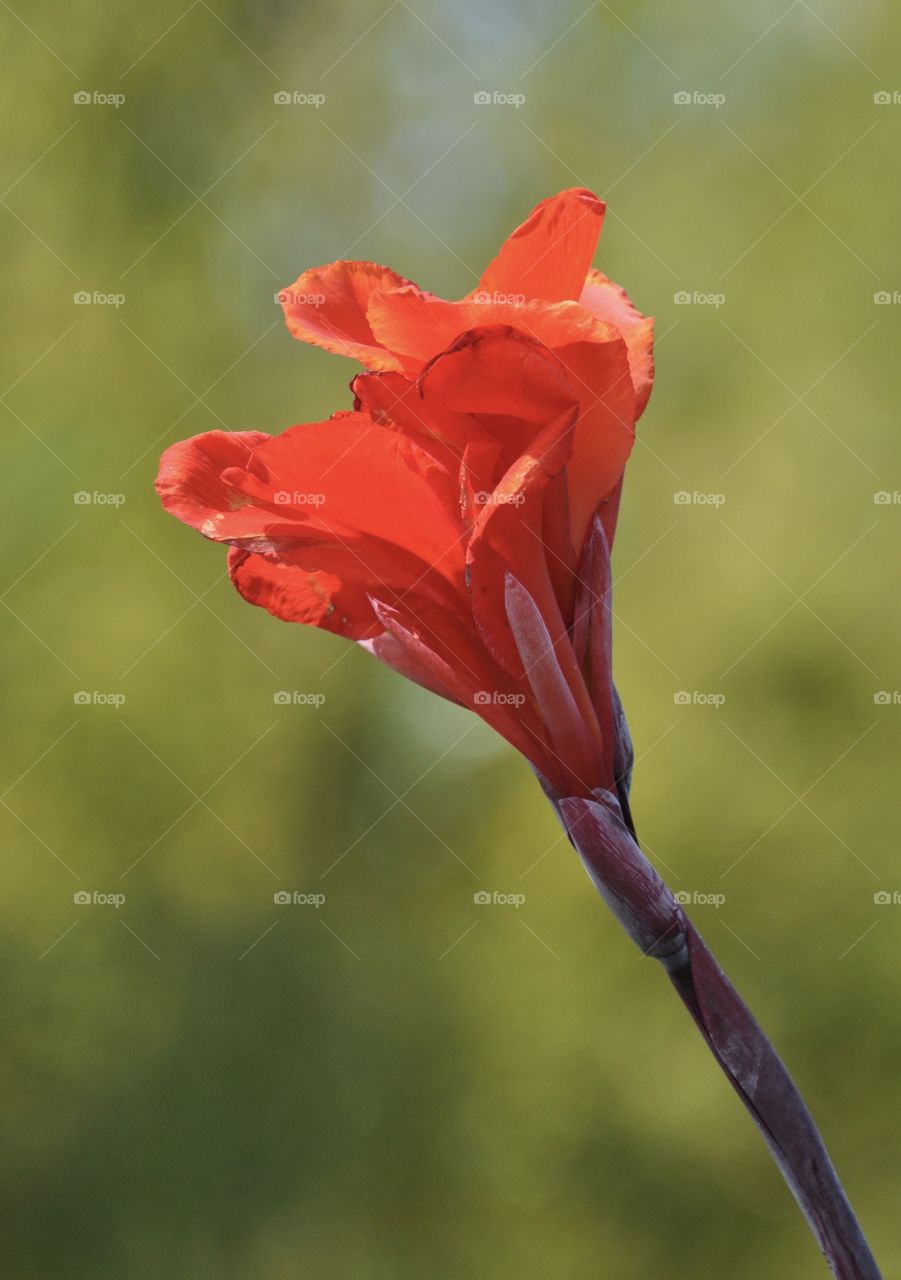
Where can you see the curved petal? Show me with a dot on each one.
(392, 399)
(326, 306)
(506, 381)
(369, 480)
(507, 538)
(484, 397)
(191, 486)
(548, 256)
(507, 543)
(345, 483)
(605, 432)
(607, 301)
(560, 554)
(296, 594)
(502, 387)
(416, 326)
(331, 586)
(497, 370)
(512, 382)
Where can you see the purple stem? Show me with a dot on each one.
(652, 917)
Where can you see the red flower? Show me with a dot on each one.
(448, 523)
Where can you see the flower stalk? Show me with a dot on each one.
(656, 922)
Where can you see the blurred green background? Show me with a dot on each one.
(399, 1083)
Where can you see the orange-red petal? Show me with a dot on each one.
(608, 302)
(331, 586)
(504, 386)
(549, 254)
(391, 399)
(417, 326)
(327, 306)
(507, 539)
(297, 594)
(191, 486)
(344, 482)
(605, 432)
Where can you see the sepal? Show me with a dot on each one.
(575, 742)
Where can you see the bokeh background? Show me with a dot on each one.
(397, 1082)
